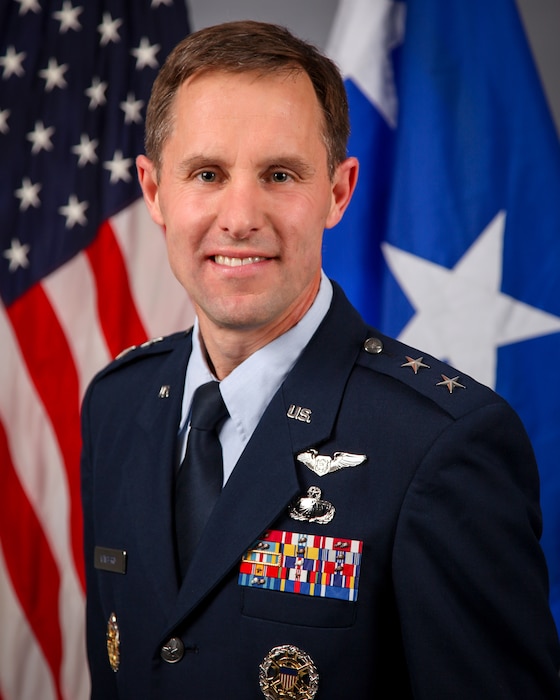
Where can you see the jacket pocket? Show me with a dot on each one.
(294, 609)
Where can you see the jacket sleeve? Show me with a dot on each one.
(469, 574)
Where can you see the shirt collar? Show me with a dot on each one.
(247, 390)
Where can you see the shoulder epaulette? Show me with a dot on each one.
(149, 347)
(455, 392)
(130, 348)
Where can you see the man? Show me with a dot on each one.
(377, 531)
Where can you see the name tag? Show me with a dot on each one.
(110, 560)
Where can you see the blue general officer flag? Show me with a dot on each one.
(461, 240)
(362, 42)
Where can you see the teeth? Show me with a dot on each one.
(236, 262)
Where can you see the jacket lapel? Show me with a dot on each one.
(261, 485)
(151, 494)
(264, 481)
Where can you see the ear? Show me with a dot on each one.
(147, 177)
(343, 186)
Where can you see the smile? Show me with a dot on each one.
(236, 262)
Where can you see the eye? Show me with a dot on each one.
(207, 176)
(280, 177)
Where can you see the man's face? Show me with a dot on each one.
(244, 195)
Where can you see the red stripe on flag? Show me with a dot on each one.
(118, 316)
(30, 563)
(51, 367)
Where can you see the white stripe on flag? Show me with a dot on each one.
(163, 305)
(75, 671)
(35, 452)
(33, 678)
(77, 314)
(40, 469)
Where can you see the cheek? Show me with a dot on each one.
(180, 248)
(182, 207)
(305, 223)
(183, 224)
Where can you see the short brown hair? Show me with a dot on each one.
(248, 46)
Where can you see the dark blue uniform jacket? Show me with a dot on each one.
(447, 598)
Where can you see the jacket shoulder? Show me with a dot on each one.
(445, 386)
(139, 353)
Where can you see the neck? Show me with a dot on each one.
(227, 347)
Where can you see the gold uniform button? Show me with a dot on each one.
(173, 650)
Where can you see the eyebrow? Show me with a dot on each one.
(187, 165)
(287, 162)
(294, 163)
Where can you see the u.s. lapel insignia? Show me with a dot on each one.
(288, 672)
(299, 413)
(312, 508)
(113, 642)
(324, 464)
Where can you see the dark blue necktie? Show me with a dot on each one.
(200, 476)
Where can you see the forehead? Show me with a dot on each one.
(251, 98)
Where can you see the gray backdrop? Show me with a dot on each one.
(311, 19)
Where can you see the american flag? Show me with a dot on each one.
(83, 274)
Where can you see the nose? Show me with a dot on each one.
(241, 207)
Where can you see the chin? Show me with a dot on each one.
(242, 316)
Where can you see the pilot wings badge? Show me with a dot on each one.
(323, 464)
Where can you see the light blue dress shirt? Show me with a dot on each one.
(248, 390)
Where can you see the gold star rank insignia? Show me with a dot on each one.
(450, 383)
(415, 365)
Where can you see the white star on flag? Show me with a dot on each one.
(12, 63)
(96, 93)
(26, 6)
(373, 28)
(4, 114)
(17, 255)
(131, 109)
(85, 150)
(461, 314)
(145, 54)
(109, 29)
(28, 194)
(68, 17)
(54, 75)
(40, 137)
(74, 212)
(119, 167)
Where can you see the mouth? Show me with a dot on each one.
(236, 262)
